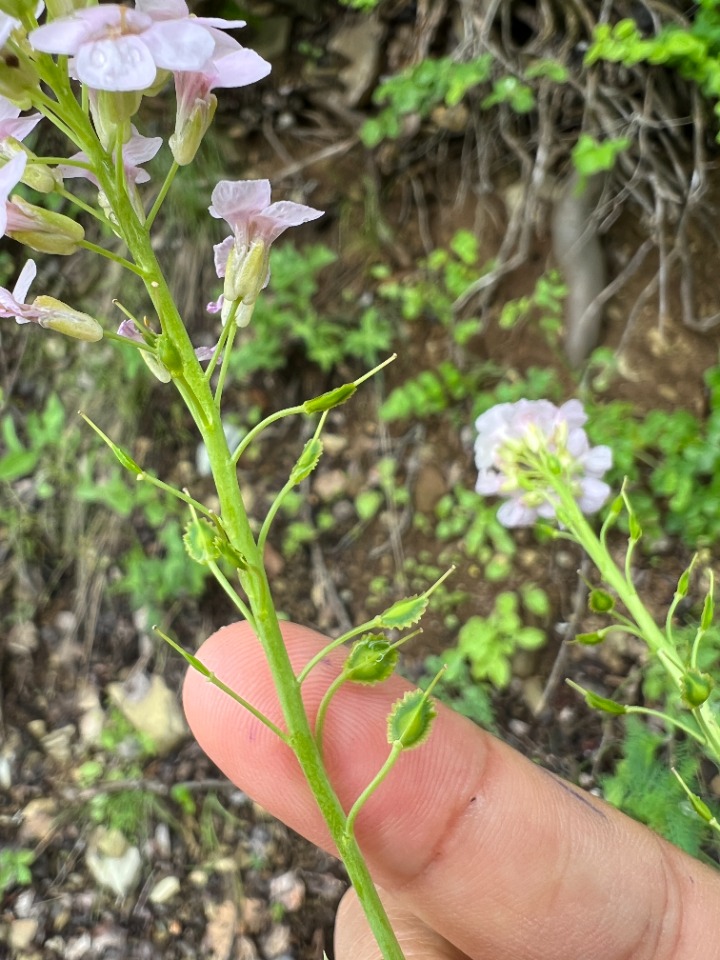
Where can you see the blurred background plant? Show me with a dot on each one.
(439, 138)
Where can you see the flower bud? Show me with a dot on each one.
(18, 80)
(56, 315)
(36, 175)
(695, 688)
(112, 109)
(43, 230)
(190, 129)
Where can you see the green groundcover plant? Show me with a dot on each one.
(86, 70)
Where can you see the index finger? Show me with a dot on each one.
(502, 858)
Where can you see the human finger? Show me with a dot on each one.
(354, 939)
(503, 859)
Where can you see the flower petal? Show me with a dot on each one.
(234, 200)
(120, 64)
(179, 45)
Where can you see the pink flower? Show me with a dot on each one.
(514, 444)
(46, 311)
(116, 48)
(137, 150)
(13, 304)
(230, 66)
(256, 223)
(12, 124)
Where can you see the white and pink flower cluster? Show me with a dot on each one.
(518, 442)
(119, 53)
(118, 48)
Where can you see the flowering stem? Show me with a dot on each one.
(658, 642)
(197, 393)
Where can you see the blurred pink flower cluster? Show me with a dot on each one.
(518, 442)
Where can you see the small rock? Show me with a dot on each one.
(24, 904)
(276, 942)
(358, 43)
(78, 948)
(430, 486)
(114, 864)
(57, 743)
(220, 931)
(22, 639)
(245, 949)
(288, 890)
(330, 484)
(37, 728)
(37, 819)
(254, 915)
(22, 933)
(92, 719)
(164, 890)
(151, 708)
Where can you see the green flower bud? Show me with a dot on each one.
(46, 232)
(371, 660)
(410, 720)
(695, 688)
(56, 315)
(590, 639)
(190, 130)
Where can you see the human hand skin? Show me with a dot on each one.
(480, 854)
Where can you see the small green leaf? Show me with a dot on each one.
(590, 639)
(403, 613)
(410, 720)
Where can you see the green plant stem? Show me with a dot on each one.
(109, 255)
(323, 708)
(155, 209)
(395, 751)
(196, 392)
